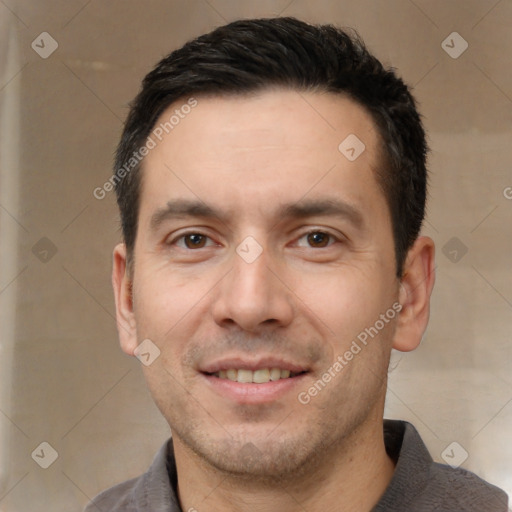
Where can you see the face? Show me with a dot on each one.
(263, 252)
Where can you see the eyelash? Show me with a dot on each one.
(333, 238)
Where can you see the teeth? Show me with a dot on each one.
(259, 376)
(231, 374)
(275, 374)
(244, 376)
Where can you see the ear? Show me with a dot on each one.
(122, 284)
(414, 296)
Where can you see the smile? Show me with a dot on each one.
(260, 376)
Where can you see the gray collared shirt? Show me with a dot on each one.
(418, 485)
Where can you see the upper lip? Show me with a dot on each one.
(239, 363)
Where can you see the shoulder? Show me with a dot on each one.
(420, 484)
(117, 498)
(463, 490)
(153, 490)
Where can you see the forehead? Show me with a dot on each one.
(277, 144)
(254, 119)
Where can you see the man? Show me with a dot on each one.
(271, 180)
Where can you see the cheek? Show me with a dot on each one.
(344, 301)
(164, 304)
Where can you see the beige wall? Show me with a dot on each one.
(63, 378)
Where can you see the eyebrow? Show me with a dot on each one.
(181, 208)
(323, 207)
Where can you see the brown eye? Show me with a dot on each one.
(318, 239)
(194, 241)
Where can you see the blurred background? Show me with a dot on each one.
(75, 415)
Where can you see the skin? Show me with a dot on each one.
(303, 299)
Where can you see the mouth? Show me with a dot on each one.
(260, 376)
(260, 381)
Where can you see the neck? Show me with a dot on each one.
(354, 473)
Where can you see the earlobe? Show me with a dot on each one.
(122, 285)
(414, 295)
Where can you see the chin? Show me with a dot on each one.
(272, 461)
(263, 460)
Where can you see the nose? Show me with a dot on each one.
(253, 296)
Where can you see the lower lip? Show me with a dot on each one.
(251, 393)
